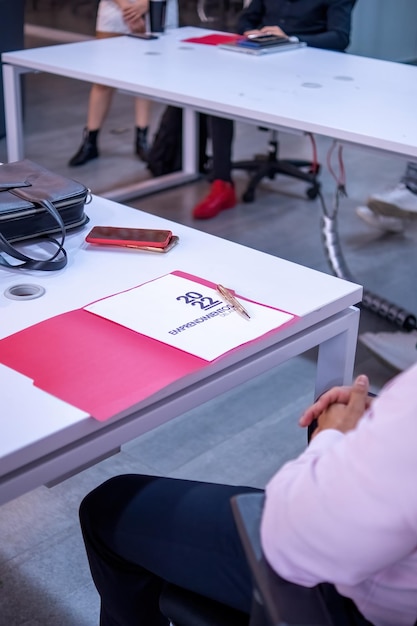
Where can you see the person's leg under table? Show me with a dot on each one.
(222, 131)
(222, 193)
(141, 531)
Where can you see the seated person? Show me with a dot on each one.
(319, 23)
(114, 18)
(343, 515)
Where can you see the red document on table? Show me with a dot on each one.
(95, 364)
(214, 39)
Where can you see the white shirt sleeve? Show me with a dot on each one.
(346, 509)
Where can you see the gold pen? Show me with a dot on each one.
(227, 295)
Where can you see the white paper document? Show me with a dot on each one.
(188, 315)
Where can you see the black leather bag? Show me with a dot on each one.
(37, 203)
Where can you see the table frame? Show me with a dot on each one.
(15, 142)
(356, 125)
(84, 443)
(336, 338)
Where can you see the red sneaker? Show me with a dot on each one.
(222, 196)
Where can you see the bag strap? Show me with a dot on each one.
(10, 186)
(56, 261)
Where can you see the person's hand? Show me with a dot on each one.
(266, 30)
(254, 32)
(136, 24)
(345, 416)
(133, 15)
(273, 30)
(336, 395)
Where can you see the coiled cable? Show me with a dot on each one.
(371, 301)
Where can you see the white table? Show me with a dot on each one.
(353, 99)
(43, 438)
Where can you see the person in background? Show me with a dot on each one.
(114, 18)
(343, 515)
(393, 209)
(318, 23)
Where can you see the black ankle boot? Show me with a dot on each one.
(88, 149)
(141, 143)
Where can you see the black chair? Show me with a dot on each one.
(276, 602)
(184, 608)
(269, 165)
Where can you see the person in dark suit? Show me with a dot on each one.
(320, 24)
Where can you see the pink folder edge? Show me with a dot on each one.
(97, 365)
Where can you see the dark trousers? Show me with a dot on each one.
(140, 531)
(221, 131)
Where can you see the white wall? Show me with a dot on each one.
(385, 29)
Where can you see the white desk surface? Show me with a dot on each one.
(35, 425)
(349, 98)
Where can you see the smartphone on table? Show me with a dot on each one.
(172, 242)
(142, 238)
(145, 36)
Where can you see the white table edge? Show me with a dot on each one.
(335, 336)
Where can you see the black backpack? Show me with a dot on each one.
(165, 154)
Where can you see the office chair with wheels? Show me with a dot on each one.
(276, 602)
(269, 165)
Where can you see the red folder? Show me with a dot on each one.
(214, 40)
(95, 364)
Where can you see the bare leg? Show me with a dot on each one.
(98, 107)
(142, 112)
(99, 104)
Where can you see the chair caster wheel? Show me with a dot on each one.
(313, 192)
(248, 196)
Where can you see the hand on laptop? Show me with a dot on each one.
(266, 30)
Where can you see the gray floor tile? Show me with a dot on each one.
(251, 456)
(32, 519)
(49, 585)
(189, 437)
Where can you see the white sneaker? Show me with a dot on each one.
(397, 202)
(381, 222)
(398, 349)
